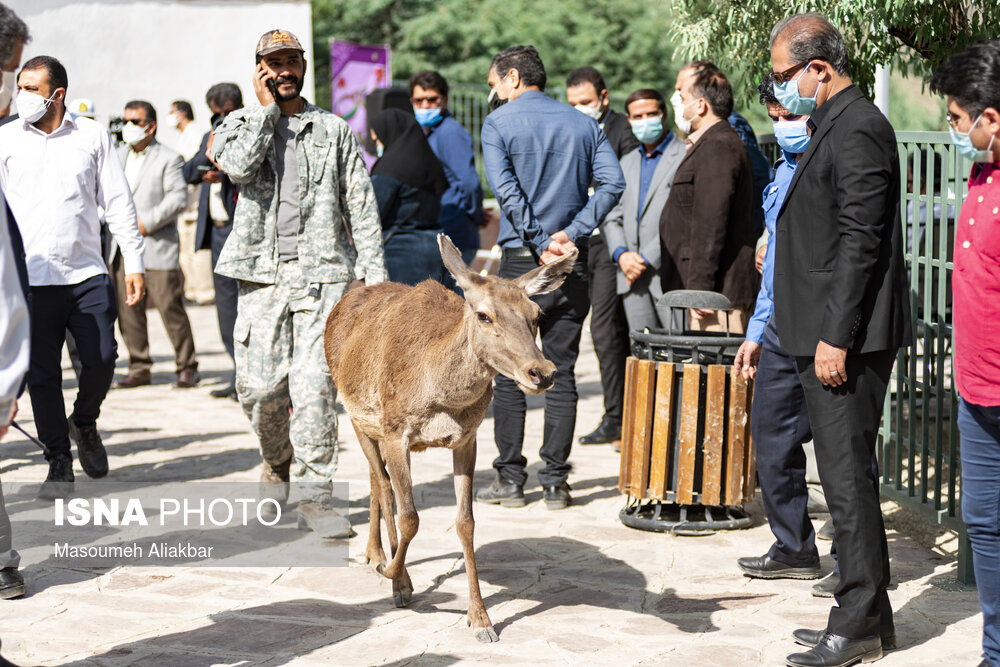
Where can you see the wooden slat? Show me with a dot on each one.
(715, 430)
(738, 423)
(688, 441)
(625, 469)
(750, 478)
(642, 426)
(663, 414)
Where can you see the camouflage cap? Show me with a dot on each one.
(277, 40)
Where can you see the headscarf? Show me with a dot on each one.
(408, 156)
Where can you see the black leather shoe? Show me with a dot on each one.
(603, 434)
(825, 531)
(812, 637)
(836, 651)
(765, 567)
(826, 586)
(228, 391)
(11, 583)
(60, 481)
(557, 496)
(502, 492)
(90, 451)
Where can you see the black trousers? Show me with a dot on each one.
(780, 424)
(563, 313)
(225, 292)
(608, 328)
(88, 311)
(845, 423)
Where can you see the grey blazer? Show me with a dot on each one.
(160, 195)
(636, 226)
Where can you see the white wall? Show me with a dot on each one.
(158, 50)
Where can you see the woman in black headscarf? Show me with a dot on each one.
(409, 181)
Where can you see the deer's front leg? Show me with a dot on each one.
(397, 463)
(464, 459)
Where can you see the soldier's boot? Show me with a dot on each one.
(274, 485)
(320, 517)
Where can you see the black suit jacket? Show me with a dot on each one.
(203, 230)
(706, 227)
(838, 273)
(619, 133)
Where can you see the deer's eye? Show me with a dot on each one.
(484, 318)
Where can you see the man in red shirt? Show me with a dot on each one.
(971, 82)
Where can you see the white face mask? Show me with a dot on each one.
(132, 134)
(683, 124)
(593, 112)
(175, 120)
(7, 89)
(31, 106)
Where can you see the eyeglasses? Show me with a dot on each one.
(952, 120)
(781, 77)
(432, 100)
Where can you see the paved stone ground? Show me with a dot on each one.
(570, 587)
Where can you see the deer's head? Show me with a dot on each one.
(502, 319)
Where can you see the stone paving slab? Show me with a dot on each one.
(564, 588)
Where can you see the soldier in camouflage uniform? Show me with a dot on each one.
(303, 188)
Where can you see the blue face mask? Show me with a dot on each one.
(379, 149)
(428, 117)
(963, 143)
(788, 94)
(647, 130)
(792, 136)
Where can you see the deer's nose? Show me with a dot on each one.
(541, 379)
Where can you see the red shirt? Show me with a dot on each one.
(975, 284)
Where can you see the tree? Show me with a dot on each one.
(914, 36)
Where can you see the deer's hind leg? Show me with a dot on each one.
(397, 463)
(380, 488)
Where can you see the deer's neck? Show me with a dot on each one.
(469, 377)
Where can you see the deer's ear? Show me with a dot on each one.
(549, 277)
(452, 258)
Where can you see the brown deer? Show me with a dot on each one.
(414, 367)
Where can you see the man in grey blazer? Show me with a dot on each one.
(154, 174)
(632, 229)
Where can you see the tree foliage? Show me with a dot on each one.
(625, 39)
(914, 36)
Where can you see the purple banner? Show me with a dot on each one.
(355, 71)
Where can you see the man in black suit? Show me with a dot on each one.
(587, 92)
(842, 310)
(216, 205)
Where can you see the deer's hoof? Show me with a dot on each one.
(486, 635)
(402, 598)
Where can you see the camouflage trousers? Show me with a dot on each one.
(282, 379)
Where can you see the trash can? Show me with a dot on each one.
(687, 462)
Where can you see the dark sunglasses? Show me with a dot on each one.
(782, 77)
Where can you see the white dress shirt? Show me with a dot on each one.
(55, 184)
(15, 333)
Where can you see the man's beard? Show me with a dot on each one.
(284, 80)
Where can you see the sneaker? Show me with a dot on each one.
(825, 531)
(274, 484)
(89, 450)
(322, 519)
(11, 583)
(60, 482)
(825, 587)
(556, 496)
(501, 492)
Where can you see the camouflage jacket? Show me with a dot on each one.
(335, 191)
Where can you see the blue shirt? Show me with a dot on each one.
(774, 197)
(759, 164)
(647, 167)
(462, 202)
(541, 157)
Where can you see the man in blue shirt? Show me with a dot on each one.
(462, 202)
(541, 157)
(633, 227)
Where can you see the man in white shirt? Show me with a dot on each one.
(56, 171)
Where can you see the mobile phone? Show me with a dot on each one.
(272, 87)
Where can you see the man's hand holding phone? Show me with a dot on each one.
(263, 85)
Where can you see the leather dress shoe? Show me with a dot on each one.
(825, 531)
(765, 567)
(90, 450)
(229, 391)
(602, 435)
(836, 651)
(556, 496)
(60, 481)
(502, 492)
(826, 586)
(187, 378)
(11, 583)
(812, 637)
(133, 379)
